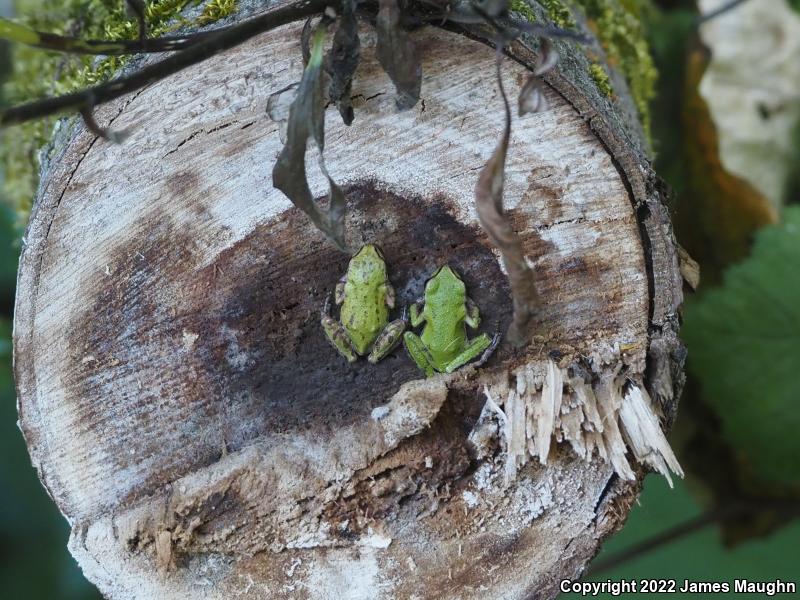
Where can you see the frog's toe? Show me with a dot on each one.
(326, 308)
(489, 351)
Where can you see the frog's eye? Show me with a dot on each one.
(433, 285)
(379, 251)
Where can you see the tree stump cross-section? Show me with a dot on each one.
(187, 415)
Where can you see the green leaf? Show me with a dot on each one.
(744, 348)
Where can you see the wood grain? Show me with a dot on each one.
(177, 394)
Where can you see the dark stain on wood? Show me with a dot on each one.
(233, 350)
(277, 370)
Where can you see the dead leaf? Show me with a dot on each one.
(307, 119)
(305, 40)
(531, 96)
(690, 270)
(489, 205)
(343, 60)
(397, 55)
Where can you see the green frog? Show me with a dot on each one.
(443, 345)
(365, 296)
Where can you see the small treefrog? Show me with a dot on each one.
(365, 296)
(443, 345)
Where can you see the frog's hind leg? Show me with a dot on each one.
(418, 353)
(489, 351)
(387, 340)
(475, 348)
(337, 335)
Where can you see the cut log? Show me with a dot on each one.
(187, 415)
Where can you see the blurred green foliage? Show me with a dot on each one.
(745, 343)
(34, 562)
(700, 556)
(735, 430)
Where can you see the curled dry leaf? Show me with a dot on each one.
(489, 205)
(397, 54)
(548, 58)
(305, 40)
(115, 137)
(690, 269)
(307, 119)
(531, 96)
(343, 60)
(278, 105)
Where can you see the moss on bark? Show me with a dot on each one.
(620, 27)
(37, 73)
(601, 79)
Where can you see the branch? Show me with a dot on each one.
(15, 32)
(730, 5)
(215, 42)
(787, 509)
(191, 49)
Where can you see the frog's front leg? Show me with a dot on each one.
(417, 315)
(473, 349)
(338, 294)
(390, 295)
(473, 316)
(419, 353)
(388, 339)
(337, 334)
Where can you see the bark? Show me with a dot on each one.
(187, 415)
